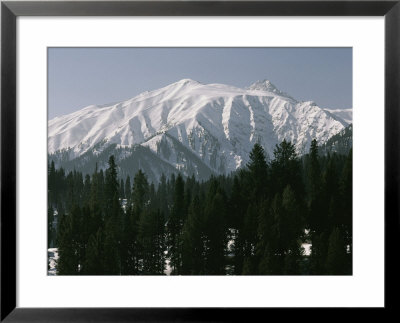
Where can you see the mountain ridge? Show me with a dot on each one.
(211, 126)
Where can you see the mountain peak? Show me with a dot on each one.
(202, 128)
(264, 85)
(268, 86)
(187, 81)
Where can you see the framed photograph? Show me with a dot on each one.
(177, 160)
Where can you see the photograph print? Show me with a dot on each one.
(199, 161)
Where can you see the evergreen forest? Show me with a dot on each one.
(255, 221)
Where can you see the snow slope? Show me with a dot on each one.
(188, 122)
(344, 114)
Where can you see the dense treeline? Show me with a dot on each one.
(253, 222)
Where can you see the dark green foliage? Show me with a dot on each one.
(111, 183)
(290, 221)
(94, 263)
(175, 226)
(346, 196)
(286, 169)
(135, 158)
(255, 190)
(237, 207)
(128, 187)
(112, 255)
(340, 143)
(56, 186)
(132, 248)
(215, 230)
(50, 229)
(252, 222)
(122, 189)
(313, 172)
(267, 264)
(68, 243)
(140, 192)
(292, 262)
(113, 222)
(336, 260)
(193, 240)
(162, 197)
(151, 240)
(258, 172)
(314, 186)
(319, 253)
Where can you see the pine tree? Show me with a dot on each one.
(128, 189)
(68, 243)
(275, 249)
(86, 189)
(256, 186)
(216, 231)
(112, 253)
(122, 189)
(290, 230)
(50, 230)
(162, 196)
(345, 217)
(336, 262)
(84, 233)
(151, 232)
(237, 209)
(264, 208)
(291, 222)
(113, 222)
(159, 243)
(319, 250)
(146, 237)
(266, 265)
(330, 191)
(94, 255)
(314, 171)
(129, 255)
(140, 194)
(250, 238)
(315, 199)
(101, 190)
(175, 225)
(292, 262)
(52, 181)
(286, 169)
(134, 249)
(95, 221)
(263, 248)
(258, 172)
(193, 240)
(111, 185)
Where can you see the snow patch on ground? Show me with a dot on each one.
(52, 254)
(307, 248)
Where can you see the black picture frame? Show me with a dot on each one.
(10, 10)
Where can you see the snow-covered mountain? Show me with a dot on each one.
(193, 127)
(344, 114)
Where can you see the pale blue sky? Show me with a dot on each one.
(78, 77)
